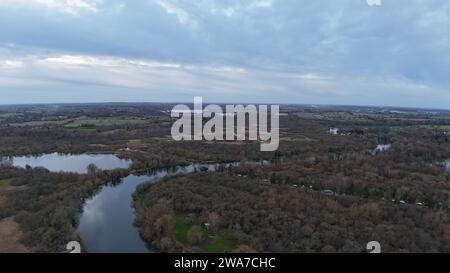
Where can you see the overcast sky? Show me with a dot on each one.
(277, 51)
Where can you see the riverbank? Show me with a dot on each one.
(107, 220)
(46, 205)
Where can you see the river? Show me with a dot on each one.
(106, 224)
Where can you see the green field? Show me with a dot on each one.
(181, 228)
(81, 129)
(4, 183)
(42, 123)
(7, 114)
(88, 123)
(218, 242)
(221, 243)
(332, 116)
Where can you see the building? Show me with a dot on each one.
(334, 131)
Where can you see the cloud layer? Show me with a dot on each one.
(343, 52)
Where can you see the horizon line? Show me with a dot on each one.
(222, 103)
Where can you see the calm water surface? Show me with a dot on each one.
(56, 162)
(107, 222)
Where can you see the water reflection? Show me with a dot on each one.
(56, 162)
(106, 224)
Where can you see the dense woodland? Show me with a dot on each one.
(321, 192)
(263, 217)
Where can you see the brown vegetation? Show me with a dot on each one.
(321, 192)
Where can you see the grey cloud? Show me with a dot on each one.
(360, 54)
